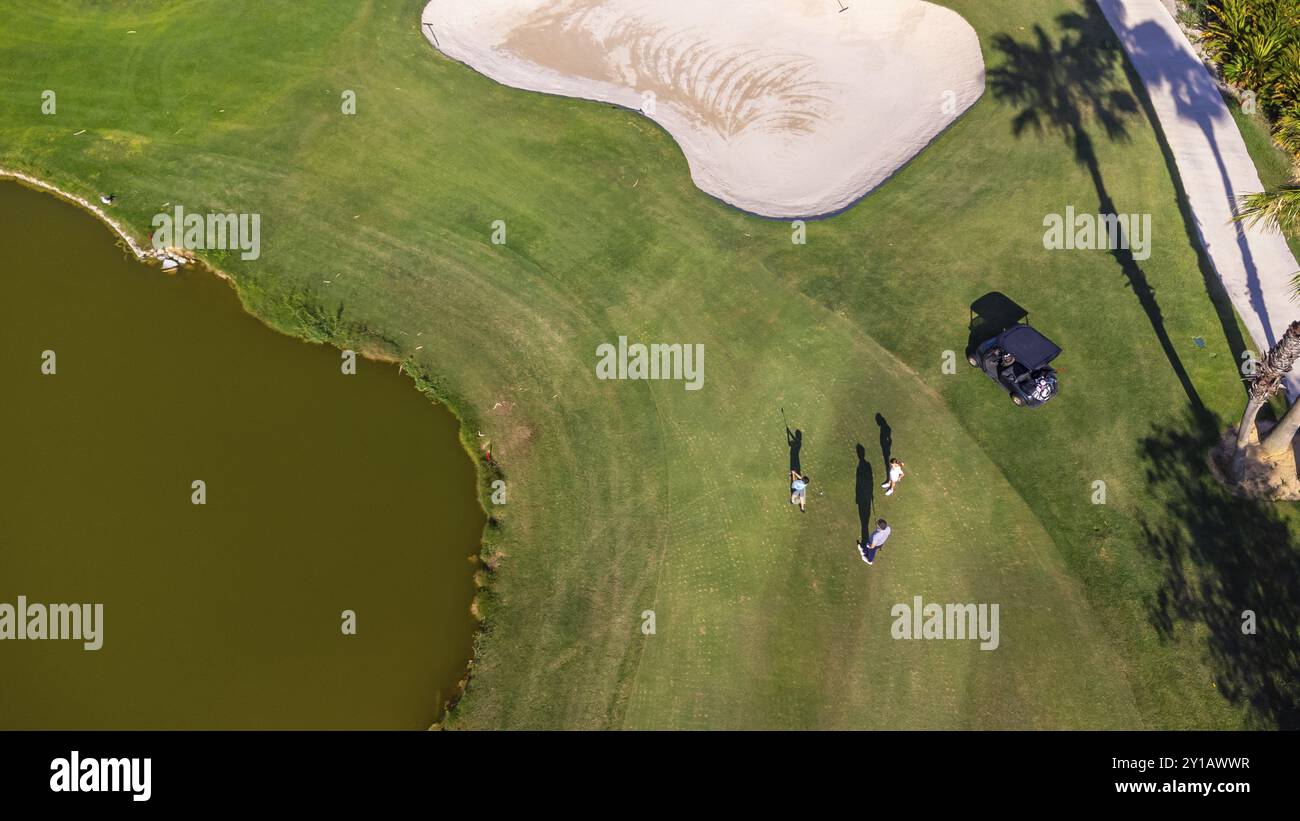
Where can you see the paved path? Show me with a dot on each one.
(1255, 265)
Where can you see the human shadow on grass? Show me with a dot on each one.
(864, 491)
(1221, 558)
(1064, 86)
(886, 438)
(794, 441)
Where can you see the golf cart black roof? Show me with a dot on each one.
(1028, 346)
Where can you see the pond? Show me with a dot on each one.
(325, 580)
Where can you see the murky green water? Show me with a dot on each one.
(325, 493)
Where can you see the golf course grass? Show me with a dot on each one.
(627, 496)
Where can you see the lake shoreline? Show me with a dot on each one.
(483, 476)
(141, 254)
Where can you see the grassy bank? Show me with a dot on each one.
(625, 497)
(1274, 164)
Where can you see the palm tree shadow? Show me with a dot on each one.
(1214, 288)
(1198, 99)
(1064, 87)
(1227, 565)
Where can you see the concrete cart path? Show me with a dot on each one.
(1255, 264)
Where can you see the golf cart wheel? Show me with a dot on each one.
(973, 360)
(1016, 398)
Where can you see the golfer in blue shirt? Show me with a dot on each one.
(799, 490)
(875, 542)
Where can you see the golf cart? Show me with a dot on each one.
(1018, 358)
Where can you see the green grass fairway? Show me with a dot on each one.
(634, 496)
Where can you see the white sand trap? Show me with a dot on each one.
(786, 108)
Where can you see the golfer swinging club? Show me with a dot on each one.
(799, 490)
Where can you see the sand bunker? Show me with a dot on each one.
(786, 108)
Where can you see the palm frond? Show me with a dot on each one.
(1277, 208)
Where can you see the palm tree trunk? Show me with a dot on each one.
(1279, 439)
(1244, 427)
(1268, 378)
